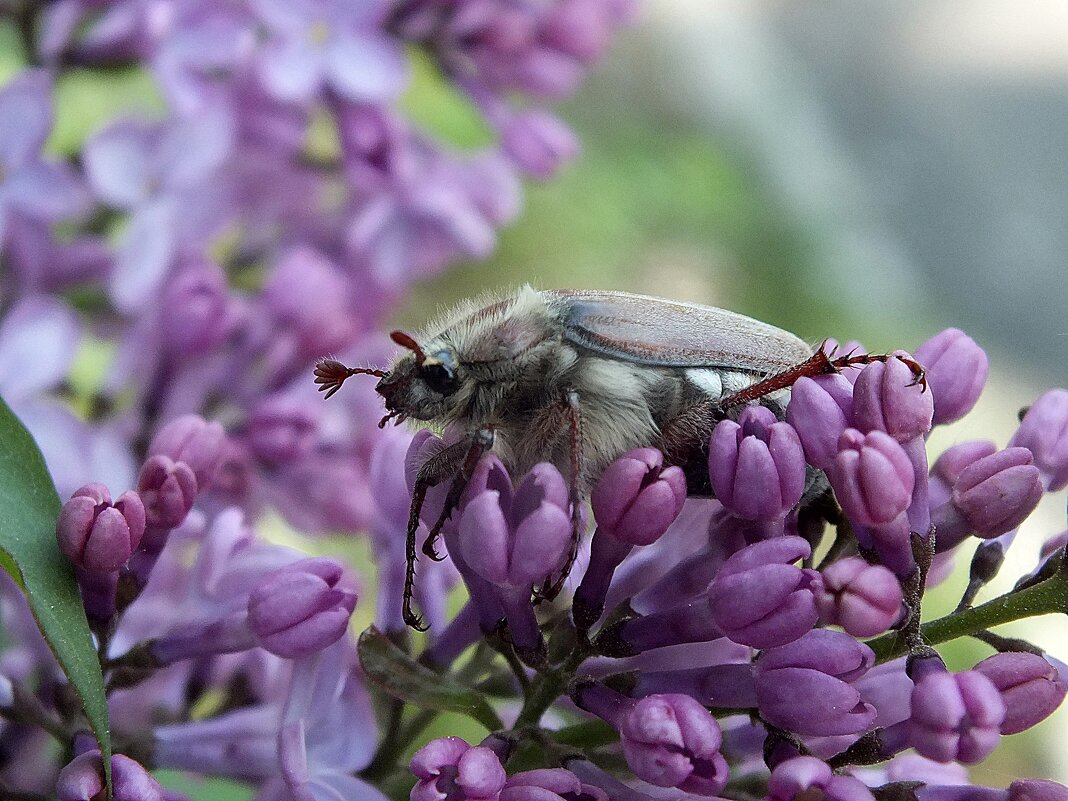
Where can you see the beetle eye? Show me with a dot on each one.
(440, 377)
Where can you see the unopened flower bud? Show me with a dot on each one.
(194, 310)
(195, 441)
(300, 609)
(168, 489)
(886, 397)
(97, 535)
(872, 477)
(82, 779)
(757, 465)
(955, 368)
(820, 410)
(449, 767)
(806, 777)
(1031, 687)
(538, 142)
(550, 784)
(281, 430)
(637, 498)
(949, 465)
(1044, 432)
(862, 598)
(991, 496)
(955, 716)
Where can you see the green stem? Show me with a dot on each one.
(1047, 597)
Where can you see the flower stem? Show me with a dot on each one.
(1046, 597)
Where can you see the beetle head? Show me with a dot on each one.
(421, 385)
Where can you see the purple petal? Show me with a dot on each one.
(484, 537)
(25, 118)
(292, 70)
(38, 340)
(366, 68)
(47, 192)
(119, 163)
(144, 255)
(192, 149)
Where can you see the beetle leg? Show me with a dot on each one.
(550, 589)
(437, 468)
(482, 442)
(819, 363)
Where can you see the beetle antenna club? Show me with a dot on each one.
(406, 341)
(330, 374)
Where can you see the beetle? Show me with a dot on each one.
(577, 378)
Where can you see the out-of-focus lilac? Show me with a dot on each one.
(450, 768)
(862, 598)
(806, 686)
(44, 262)
(515, 540)
(1031, 687)
(300, 609)
(538, 142)
(806, 776)
(96, 534)
(669, 740)
(1037, 790)
(28, 184)
(820, 410)
(333, 44)
(872, 477)
(38, 339)
(311, 305)
(82, 779)
(195, 310)
(281, 429)
(636, 498)
(168, 489)
(955, 368)
(757, 465)
(1044, 432)
(949, 465)
(955, 716)
(887, 398)
(991, 496)
(433, 210)
(159, 173)
(759, 598)
(195, 441)
(549, 784)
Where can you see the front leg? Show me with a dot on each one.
(455, 461)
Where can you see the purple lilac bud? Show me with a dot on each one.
(168, 489)
(192, 440)
(97, 535)
(1037, 790)
(956, 369)
(634, 501)
(1031, 687)
(549, 784)
(449, 769)
(83, 780)
(538, 142)
(669, 740)
(757, 465)
(807, 777)
(759, 598)
(282, 430)
(300, 609)
(820, 410)
(195, 310)
(636, 498)
(1044, 432)
(991, 496)
(955, 716)
(862, 598)
(806, 686)
(872, 477)
(887, 398)
(948, 467)
(514, 540)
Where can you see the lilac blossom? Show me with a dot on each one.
(96, 534)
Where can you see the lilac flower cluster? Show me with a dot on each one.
(722, 642)
(167, 283)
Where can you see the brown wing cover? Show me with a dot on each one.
(669, 333)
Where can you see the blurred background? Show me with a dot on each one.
(863, 170)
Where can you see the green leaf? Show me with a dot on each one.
(29, 507)
(402, 677)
